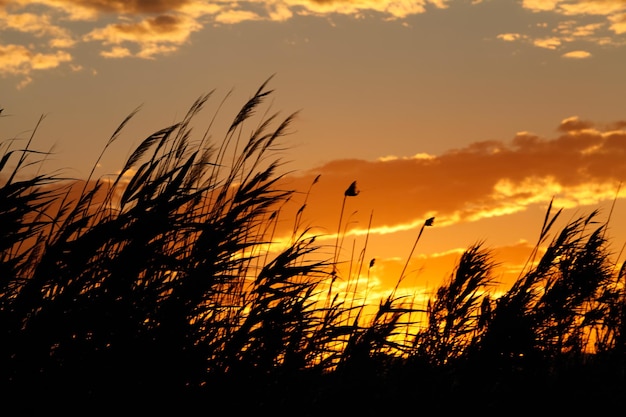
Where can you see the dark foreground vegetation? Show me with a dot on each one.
(156, 290)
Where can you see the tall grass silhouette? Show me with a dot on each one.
(164, 286)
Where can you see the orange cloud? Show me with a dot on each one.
(572, 124)
(583, 166)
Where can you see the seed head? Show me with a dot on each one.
(351, 191)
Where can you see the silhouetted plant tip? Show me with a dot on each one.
(351, 191)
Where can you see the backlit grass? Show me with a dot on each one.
(163, 286)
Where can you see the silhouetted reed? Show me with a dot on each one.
(166, 283)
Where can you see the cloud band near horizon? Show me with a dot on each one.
(582, 166)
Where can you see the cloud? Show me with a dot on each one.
(150, 28)
(618, 23)
(510, 37)
(116, 52)
(591, 7)
(236, 16)
(421, 155)
(573, 7)
(597, 22)
(19, 60)
(397, 9)
(577, 54)
(155, 35)
(573, 124)
(540, 5)
(91, 9)
(571, 29)
(38, 25)
(580, 167)
(548, 43)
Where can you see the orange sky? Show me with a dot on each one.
(476, 112)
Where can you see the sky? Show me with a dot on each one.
(475, 112)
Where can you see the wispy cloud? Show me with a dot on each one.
(569, 7)
(597, 22)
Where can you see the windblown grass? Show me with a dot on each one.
(164, 286)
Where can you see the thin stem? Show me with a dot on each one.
(428, 222)
(343, 204)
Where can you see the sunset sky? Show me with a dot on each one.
(475, 112)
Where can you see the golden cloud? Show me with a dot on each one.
(579, 31)
(548, 43)
(594, 7)
(572, 7)
(574, 123)
(155, 35)
(273, 9)
(116, 52)
(618, 23)
(540, 5)
(148, 28)
(17, 59)
(14, 59)
(509, 37)
(576, 27)
(39, 26)
(577, 54)
(580, 167)
(236, 16)
(396, 9)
